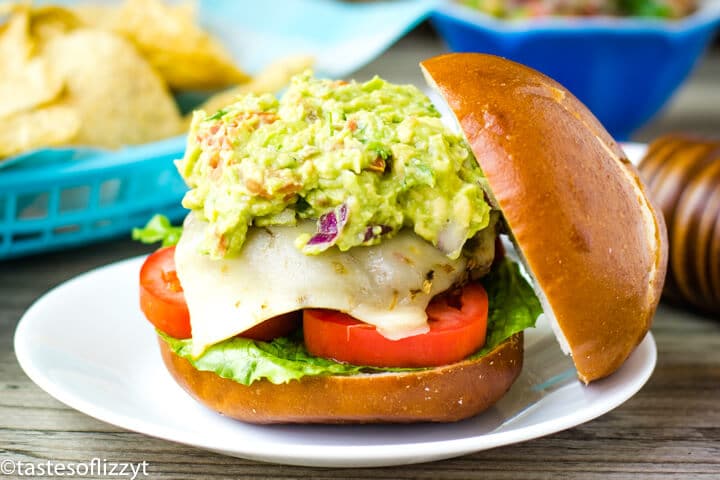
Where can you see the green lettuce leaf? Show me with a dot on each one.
(278, 361)
(158, 229)
(513, 307)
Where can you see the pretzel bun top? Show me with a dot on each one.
(587, 233)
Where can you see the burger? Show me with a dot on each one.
(341, 260)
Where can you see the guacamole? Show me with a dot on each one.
(363, 159)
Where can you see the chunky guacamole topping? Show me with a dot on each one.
(364, 159)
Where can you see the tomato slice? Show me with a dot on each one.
(458, 326)
(161, 296)
(274, 327)
(163, 302)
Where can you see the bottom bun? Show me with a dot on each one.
(442, 394)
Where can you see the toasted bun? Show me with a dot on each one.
(442, 394)
(578, 212)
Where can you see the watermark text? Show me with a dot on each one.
(97, 467)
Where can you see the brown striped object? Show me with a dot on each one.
(682, 173)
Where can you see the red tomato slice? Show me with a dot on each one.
(274, 327)
(457, 329)
(163, 302)
(161, 296)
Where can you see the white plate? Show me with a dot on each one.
(87, 344)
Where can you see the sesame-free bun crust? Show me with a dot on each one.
(441, 394)
(578, 212)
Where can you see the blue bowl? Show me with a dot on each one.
(623, 69)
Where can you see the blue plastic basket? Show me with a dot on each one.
(65, 197)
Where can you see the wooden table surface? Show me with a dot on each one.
(670, 429)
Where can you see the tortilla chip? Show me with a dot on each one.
(50, 21)
(101, 16)
(16, 45)
(275, 77)
(25, 82)
(119, 98)
(29, 86)
(45, 127)
(186, 56)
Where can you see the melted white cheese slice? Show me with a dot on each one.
(385, 285)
